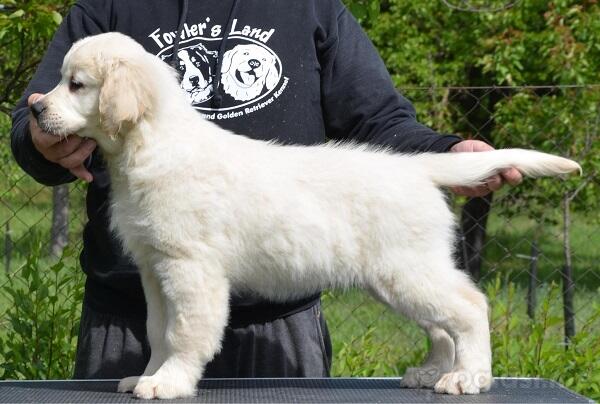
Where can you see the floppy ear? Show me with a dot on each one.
(272, 77)
(125, 96)
(227, 58)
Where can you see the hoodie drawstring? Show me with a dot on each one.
(182, 16)
(216, 79)
(218, 95)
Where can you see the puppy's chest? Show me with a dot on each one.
(138, 220)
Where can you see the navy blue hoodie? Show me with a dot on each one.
(301, 72)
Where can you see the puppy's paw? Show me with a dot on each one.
(128, 384)
(463, 382)
(150, 387)
(426, 376)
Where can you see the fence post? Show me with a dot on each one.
(531, 289)
(7, 246)
(568, 285)
(59, 233)
(473, 225)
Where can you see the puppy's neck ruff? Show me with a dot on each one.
(154, 121)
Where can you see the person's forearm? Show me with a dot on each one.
(400, 130)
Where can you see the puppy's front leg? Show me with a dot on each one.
(196, 296)
(155, 327)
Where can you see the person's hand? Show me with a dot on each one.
(511, 175)
(70, 152)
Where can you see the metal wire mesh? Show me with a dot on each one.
(516, 239)
(480, 6)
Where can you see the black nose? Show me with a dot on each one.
(37, 108)
(254, 63)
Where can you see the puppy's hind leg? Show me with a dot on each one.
(468, 325)
(446, 303)
(439, 361)
(155, 328)
(196, 295)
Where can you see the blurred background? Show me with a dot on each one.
(515, 73)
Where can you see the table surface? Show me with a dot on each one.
(331, 390)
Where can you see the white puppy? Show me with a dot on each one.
(202, 211)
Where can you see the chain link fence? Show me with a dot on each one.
(533, 248)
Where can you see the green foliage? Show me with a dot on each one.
(561, 121)
(43, 310)
(525, 347)
(365, 11)
(26, 27)
(535, 42)
(9, 169)
(366, 357)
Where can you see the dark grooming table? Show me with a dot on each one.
(334, 390)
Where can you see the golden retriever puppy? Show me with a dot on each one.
(203, 211)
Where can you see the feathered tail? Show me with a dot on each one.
(470, 169)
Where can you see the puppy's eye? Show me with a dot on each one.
(74, 85)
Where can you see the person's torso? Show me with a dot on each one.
(269, 82)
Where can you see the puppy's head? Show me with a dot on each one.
(105, 90)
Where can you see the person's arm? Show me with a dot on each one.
(360, 102)
(77, 24)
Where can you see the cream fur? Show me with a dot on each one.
(203, 211)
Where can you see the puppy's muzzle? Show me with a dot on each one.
(37, 108)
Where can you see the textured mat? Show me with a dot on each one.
(334, 390)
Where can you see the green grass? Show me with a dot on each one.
(357, 322)
(26, 218)
(509, 241)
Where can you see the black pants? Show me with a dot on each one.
(113, 347)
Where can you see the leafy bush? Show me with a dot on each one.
(536, 348)
(44, 306)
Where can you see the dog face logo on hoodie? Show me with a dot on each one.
(195, 66)
(248, 71)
